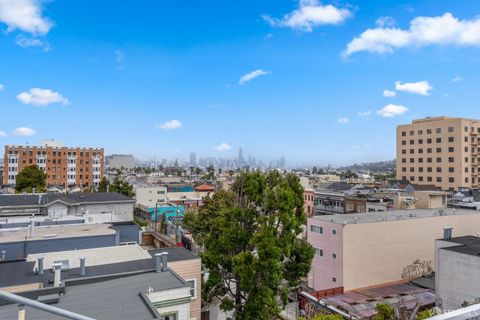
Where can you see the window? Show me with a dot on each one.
(420, 150)
(412, 151)
(450, 129)
(404, 151)
(316, 229)
(420, 141)
(420, 179)
(334, 232)
(439, 160)
(451, 179)
(439, 179)
(420, 169)
(420, 160)
(438, 140)
(412, 178)
(465, 139)
(466, 149)
(450, 139)
(466, 180)
(466, 169)
(420, 132)
(429, 150)
(412, 132)
(439, 169)
(404, 142)
(412, 160)
(438, 130)
(412, 141)
(429, 140)
(334, 255)
(169, 316)
(412, 169)
(451, 159)
(404, 160)
(451, 169)
(404, 169)
(334, 279)
(439, 150)
(404, 134)
(193, 287)
(429, 179)
(319, 252)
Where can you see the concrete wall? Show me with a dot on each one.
(128, 233)
(149, 196)
(375, 253)
(430, 200)
(100, 213)
(457, 278)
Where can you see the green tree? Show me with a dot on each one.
(425, 314)
(103, 185)
(325, 317)
(384, 312)
(251, 249)
(30, 178)
(122, 186)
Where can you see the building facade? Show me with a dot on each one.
(367, 249)
(442, 151)
(62, 165)
(121, 161)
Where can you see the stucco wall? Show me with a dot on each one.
(375, 253)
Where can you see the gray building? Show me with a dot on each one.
(119, 161)
(457, 276)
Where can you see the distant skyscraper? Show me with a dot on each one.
(193, 159)
(281, 163)
(241, 159)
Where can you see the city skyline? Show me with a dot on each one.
(266, 76)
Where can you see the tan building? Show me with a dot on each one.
(62, 165)
(442, 151)
(368, 249)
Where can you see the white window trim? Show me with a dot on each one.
(194, 287)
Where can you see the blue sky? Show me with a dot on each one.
(277, 77)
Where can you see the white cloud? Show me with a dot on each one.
(169, 125)
(223, 147)
(2, 87)
(421, 87)
(252, 75)
(364, 113)
(457, 79)
(343, 120)
(3, 134)
(389, 93)
(25, 42)
(24, 15)
(423, 31)
(24, 132)
(41, 97)
(385, 22)
(392, 110)
(310, 14)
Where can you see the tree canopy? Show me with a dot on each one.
(251, 251)
(121, 186)
(30, 178)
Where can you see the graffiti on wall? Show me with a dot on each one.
(417, 269)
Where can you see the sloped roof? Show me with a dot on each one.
(205, 187)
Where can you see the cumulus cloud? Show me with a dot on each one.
(3, 134)
(24, 132)
(310, 14)
(364, 113)
(169, 125)
(343, 120)
(252, 75)
(41, 97)
(423, 31)
(223, 147)
(392, 110)
(422, 87)
(24, 15)
(389, 93)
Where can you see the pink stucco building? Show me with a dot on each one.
(308, 204)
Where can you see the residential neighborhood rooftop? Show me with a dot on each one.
(369, 217)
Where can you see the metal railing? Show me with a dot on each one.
(22, 301)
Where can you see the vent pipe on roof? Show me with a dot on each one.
(3, 255)
(447, 233)
(165, 261)
(57, 276)
(161, 264)
(82, 266)
(40, 265)
(32, 226)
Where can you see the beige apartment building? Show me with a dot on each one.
(441, 151)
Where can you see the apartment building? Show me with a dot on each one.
(66, 166)
(442, 151)
(361, 250)
(121, 161)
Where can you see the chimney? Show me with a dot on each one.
(161, 262)
(3, 255)
(82, 266)
(447, 233)
(57, 277)
(165, 261)
(40, 265)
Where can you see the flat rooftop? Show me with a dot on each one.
(467, 245)
(55, 232)
(392, 215)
